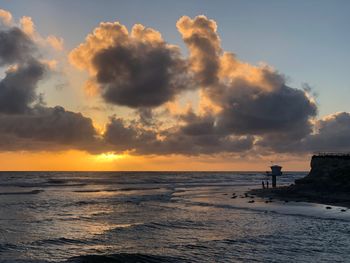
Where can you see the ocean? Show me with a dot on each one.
(162, 217)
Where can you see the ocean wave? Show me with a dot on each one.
(81, 203)
(7, 246)
(129, 189)
(177, 224)
(61, 241)
(140, 188)
(55, 181)
(88, 191)
(33, 192)
(41, 184)
(124, 258)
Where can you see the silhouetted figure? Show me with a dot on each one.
(263, 184)
(267, 184)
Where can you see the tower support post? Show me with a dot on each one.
(274, 184)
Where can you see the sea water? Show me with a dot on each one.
(162, 217)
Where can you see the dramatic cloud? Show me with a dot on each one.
(136, 70)
(25, 124)
(243, 105)
(333, 134)
(146, 116)
(196, 136)
(45, 128)
(203, 42)
(253, 100)
(15, 46)
(201, 135)
(123, 137)
(19, 53)
(18, 88)
(251, 109)
(242, 109)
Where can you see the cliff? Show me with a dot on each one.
(329, 173)
(328, 182)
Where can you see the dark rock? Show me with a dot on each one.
(329, 173)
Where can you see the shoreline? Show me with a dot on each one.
(289, 193)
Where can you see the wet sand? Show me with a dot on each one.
(289, 193)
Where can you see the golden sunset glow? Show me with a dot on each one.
(121, 93)
(109, 157)
(82, 161)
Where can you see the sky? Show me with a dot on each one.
(172, 85)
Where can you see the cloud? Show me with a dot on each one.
(56, 42)
(18, 88)
(5, 17)
(27, 25)
(45, 128)
(251, 100)
(122, 137)
(15, 46)
(243, 108)
(25, 123)
(201, 135)
(333, 134)
(202, 40)
(242, 105)
(250, 109)
(196, 136)
(146, 116)
(20, 54)
(136, 70)
(24, 36)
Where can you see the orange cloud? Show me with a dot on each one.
(55, 42)
(5, 17)
(104, 36)
(27, 25)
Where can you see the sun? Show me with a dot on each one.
(109, 157)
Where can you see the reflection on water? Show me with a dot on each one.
(161, 217)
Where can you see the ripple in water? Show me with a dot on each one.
(161, 217)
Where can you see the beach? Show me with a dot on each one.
(287, 194)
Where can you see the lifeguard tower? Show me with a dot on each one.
(275, 171)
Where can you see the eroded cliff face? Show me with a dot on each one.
(327, 183)
(328, 174)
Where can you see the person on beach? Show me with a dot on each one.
(267, 184)
(263, 184)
